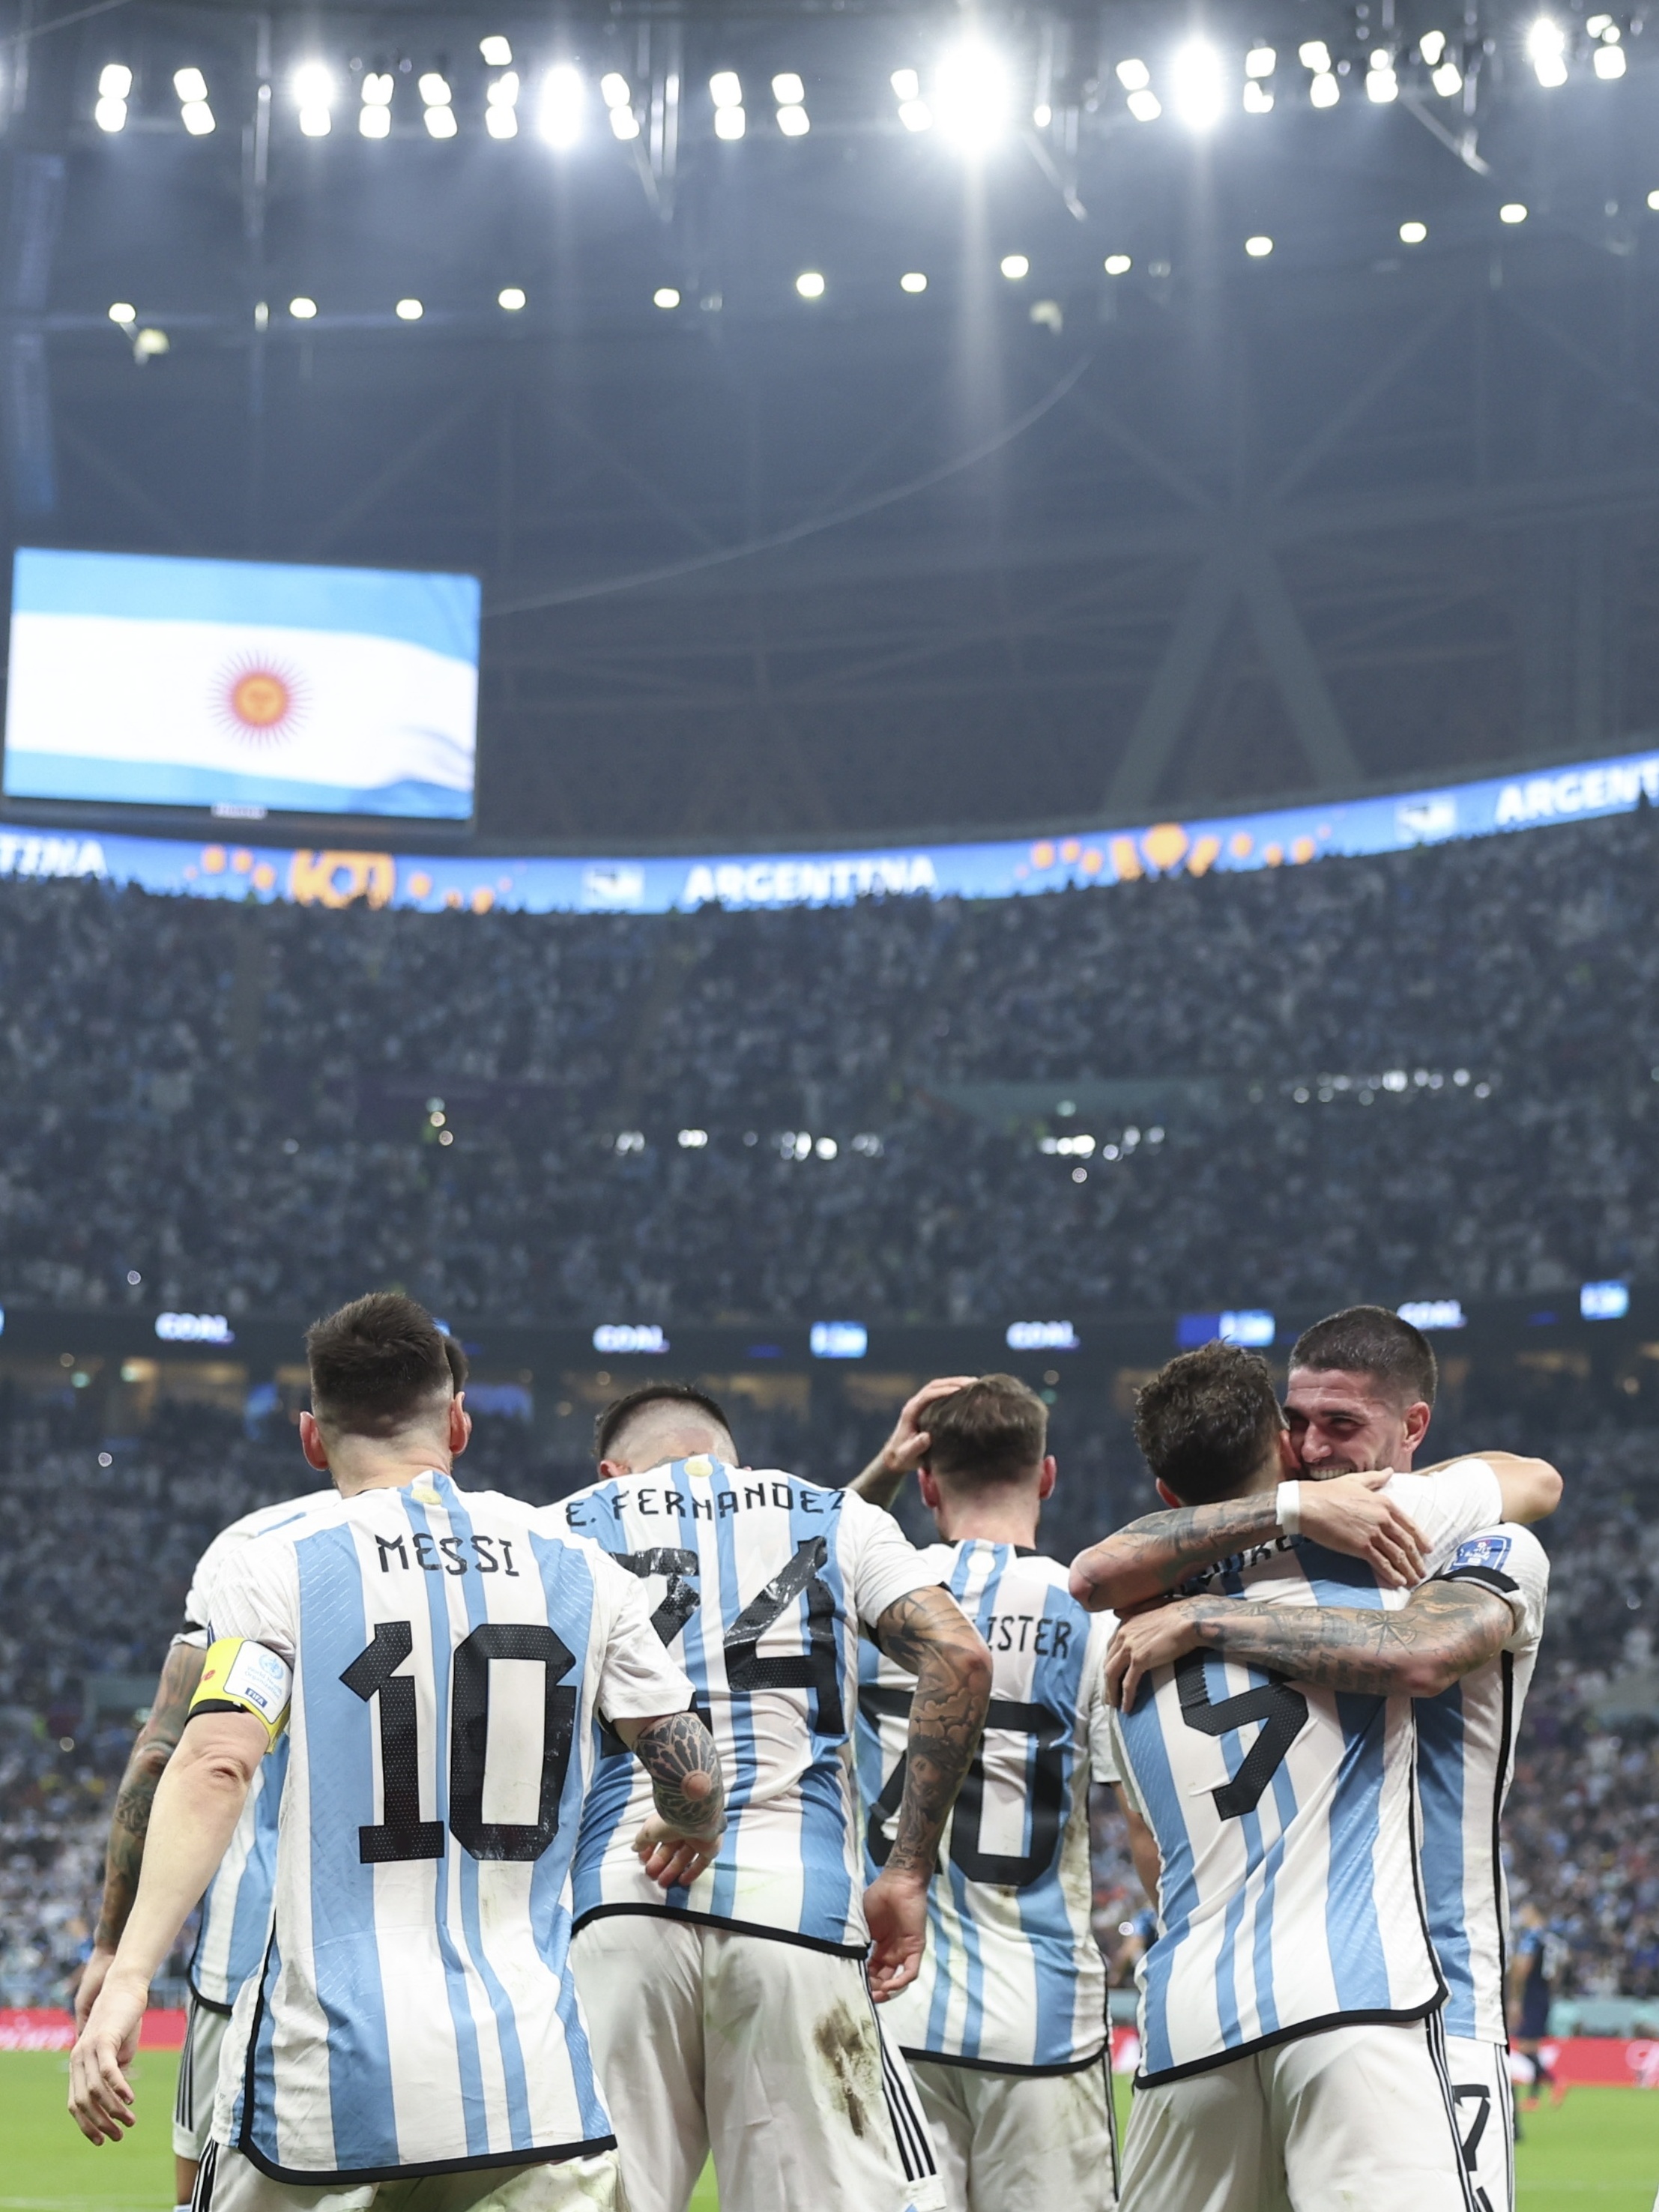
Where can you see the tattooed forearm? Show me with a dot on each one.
(678, 1754)
(928, 1634)
(1445, 1629)
(1156, 1553)
(156, 1743)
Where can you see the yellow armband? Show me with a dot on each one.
(240, 1676)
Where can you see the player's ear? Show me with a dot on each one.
(460, 1423)
(311, 1444)
(1046, 1484)
(927, 1483)
(1416, 1424)
(1168, 1495)
(1289, 1459)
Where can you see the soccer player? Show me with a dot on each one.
(442, 1661)
(732, 2013)
(1006, 2027)
(1289, 2020)
(235, 1916)
(1361, 1395)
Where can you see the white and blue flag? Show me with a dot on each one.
(1465, 1760)
(1285, 1817)
(450, 1657)
(163, 682)
(1012, 1979)
(758, 1583)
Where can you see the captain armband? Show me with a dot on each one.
(240, 1676)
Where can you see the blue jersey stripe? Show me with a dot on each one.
(1360, 1965)
(739, 1717)
(826, 1893)
(1143, 1738)
(1441, 1783)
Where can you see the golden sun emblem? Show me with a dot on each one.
(259, 701)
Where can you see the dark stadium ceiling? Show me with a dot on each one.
(1059, 544)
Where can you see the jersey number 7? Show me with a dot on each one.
(402, 1834)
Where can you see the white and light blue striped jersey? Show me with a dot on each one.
(450, 1657)
(1465, 1758)
(1284, 1817)
(760, 1582)
(1012, 1979)
(235, 1920)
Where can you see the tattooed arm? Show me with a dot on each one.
(1154, 1555)
(682, 1836)
(1443, 1630)
(124, 1854)
(928, 1635)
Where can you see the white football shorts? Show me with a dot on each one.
(229, 2182)
(1485, 2098)
(198, 2078)
(1022, 2143)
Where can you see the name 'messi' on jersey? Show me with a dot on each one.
(1285, 1820)
(759, 1584)
(414, 2010)
(1012, 1979)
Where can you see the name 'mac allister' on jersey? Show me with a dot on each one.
(1284, 1817)
(759, 1582)
(1465, 1758)
(235, 1916)
(1012, 1979)
(450, 1657)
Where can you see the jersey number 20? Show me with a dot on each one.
(402, 1833)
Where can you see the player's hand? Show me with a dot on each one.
(101, 2096)
(1152, 1636)
(672, 1858)
(907, 1448)
(98, 1964)
(1345, 1514)
(895, 1913)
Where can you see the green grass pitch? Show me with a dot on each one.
(1598, 2152)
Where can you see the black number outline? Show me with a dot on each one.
(818, 1667)
(1039, 1724)
(402, 1834)
(683, 1597)
(516, 1841)
(1282, 1710)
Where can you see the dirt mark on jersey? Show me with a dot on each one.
(846, 2045)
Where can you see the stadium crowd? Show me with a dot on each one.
(1445, 1057)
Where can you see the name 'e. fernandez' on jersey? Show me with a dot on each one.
(1285, 1817)
(235, 1916)
(1012, 1979)
(1465, 1759)
(760, 1582)
(451, 1659)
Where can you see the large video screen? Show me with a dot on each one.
(241, 684)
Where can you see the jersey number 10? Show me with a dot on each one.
(402, 1833)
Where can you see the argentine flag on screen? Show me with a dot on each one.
(181, 682)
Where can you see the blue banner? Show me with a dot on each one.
(1008, 868)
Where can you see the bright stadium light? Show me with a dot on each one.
(434, 89)
(789, 90)
(1258, 100)
(1196, 90)
(1512, 211)
(1118, 264)
(726, 89)
(188, 84)
(1608, 62)
(973, 96)
(560, 118)
(809, 284)
(1432, 47)
(913, 281)
(615, 89)
(1448, 79)
(111, 114)
(1014, 266)
(1325, 91)
(511, 297)
(302, 310)
(123, 312)
(794, 121)
(1412, 234)
(440, 122)
(115, 83)
(197, 117)
(664, 296)
(1314, 57)
(1258, 248)
(906, 83)
(1260, 61)
(1381, 84)
(408, 310)
(1133, 76)
(497, 52)
(1547, 50)
(501, 104)
(915, 115)
(730, 123)
(314, 95)
(374, 122)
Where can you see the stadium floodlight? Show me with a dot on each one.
(1432, 47)
(1196, 90)
(1381, 84)
(501, 106)
(1133, 76)
(906, 83)
(188, 84)
(313, 95)
(123, 312)
(302, 310)
(1547, 50)
(624, 123)
(664, 296)
(1412, 234)
(511, 296)
(1608, 62)
(1512, 211)
(496, 50)
(913, 281)
(110, 113)
(1260, 61)
(1145, 107)
(789, 90)
(374, 122)
(1014, 266)
(615, 89)
(115, 81)
(915, 115)
(794, 121)
(1258, 100)
(563, 98)
(809, 284)
(726, 89)
(1448, 79)
(378, 86)
(434, 89)
(1118, 264)
(1259, 247)
(1325, 91)
(408, 310)
(197, 117)
(1653, 202)
(973, 96)
(1314, 57)
(730, 123)
(440, 122)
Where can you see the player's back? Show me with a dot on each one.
(759, 1582)
(1012, 1977)
(414, 2007)
(1283, 1815)
(1465, 1759)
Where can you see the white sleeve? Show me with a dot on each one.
(1450, 1507)
(882, 1564)
(1103, 1749)
(1511, 1560)
(255, 1594)
(638, 1680)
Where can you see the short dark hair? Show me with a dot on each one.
(621, 1411)
(1372, 1340)
(990, 1431)
(1205, 1422)
(379, 1363)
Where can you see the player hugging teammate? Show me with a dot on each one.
(537, 1867)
